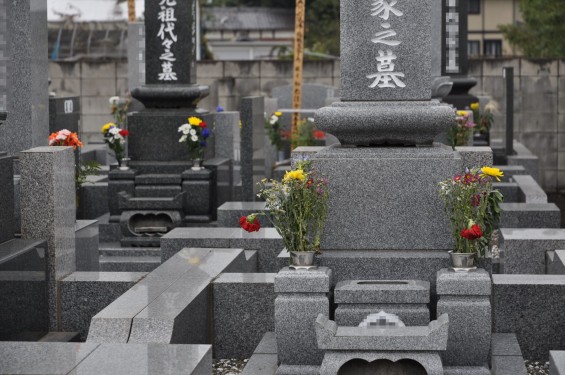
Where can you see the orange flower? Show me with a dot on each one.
(65, 138)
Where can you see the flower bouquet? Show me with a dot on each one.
(473, 207)
(297, 208)
(194, 134)
(115, 138)
(65, 138)
(460, 133)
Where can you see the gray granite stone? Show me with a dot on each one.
(86, 245)
(127, 202)
(469, 329)
(115, 187)
(351, 315)
(510, 171)
(450, 283)
(556, 362)
(382, 291)
(147, 359)
(42, 358)
(85, 294)
(526, 159)
(530, 215)
(268, 344)
(523, 250)
(505, 344)
(334, 360)
(243, 312)
(530, 191)
(230, 212)
(7, 227)
(509, 191)
(251, 111)
(64, 113)
(508, 365)
(475, 156)
(136, 54)
(406, 211)
(410, 24)
(158, 179)
(298, 370)
(198, 192)
(385, 123)
(466, 370)
(226, 126)
(93, 200)
(303, 281)
(305, 153)
(520, 302)
(555, 262)
(48, 212)
(26, 76)
(313, 95)
(261, 364)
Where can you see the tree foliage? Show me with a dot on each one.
(541, 34)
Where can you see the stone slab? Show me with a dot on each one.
(7, 227)
(523, 250)
(508, 365)
(243, 313)
(556, 362)
(411, 314)
(252, 110)
(230, 212)
(474, 157)
(530, 190)
(268, 344)
(86, 245)
(452, 283)
(509, 190)
(530, 215)
(520, 302)
(382, 291)
(261, 364)
(466, 370)
(85, 294)
(298, 370)
(303, 281)
(405, 212)
(556, 262)
(505, 344)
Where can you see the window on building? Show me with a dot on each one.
(493, 48)
(474, 48)
(474, 6)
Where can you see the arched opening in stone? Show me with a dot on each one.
(152, 225)
(382, 367)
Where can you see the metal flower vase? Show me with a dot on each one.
(462, 262)
(302, 260)
(197, 165)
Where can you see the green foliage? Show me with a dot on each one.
(83, 171)
(305, 136)
(541, 34)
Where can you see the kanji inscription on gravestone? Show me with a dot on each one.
(170, 41)
(386, 50)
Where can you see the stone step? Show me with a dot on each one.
(158, 179)
(129, 263)
(164, 191)
(61, 337)
(118, 251)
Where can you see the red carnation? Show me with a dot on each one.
(318, 134)
(249, 223)
(203, 125)
(472, 233)
(124, 133)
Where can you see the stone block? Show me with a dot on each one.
(86, 245)
(520, 302)
(303, 281)
(510, 171)
(243, 312)
(529, 190)
(523, 250)
(382, 291)
(557, 362)
(452, 283)
(7, 228)
(469, 329)
(473, 157)
(505, 344)
(466, 370)
(530, 215)
(261, 364)
(313, 95)
(48, 212)
(411, 314)
(85, 294)
(230, 212)
(198, 187)
(268, 344)
(252, 117)
(406, 212)
(93, 200)
(227, 137)
(555, 262)
(509, 191)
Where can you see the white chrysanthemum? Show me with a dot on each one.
(114, 100)
(183, 139)
(114, 131)
(194, 138)
(274, 120)
(192, 132)
(311, 119)
(185, 128)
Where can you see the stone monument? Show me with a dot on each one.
(383, 191)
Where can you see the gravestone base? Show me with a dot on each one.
(365, 362)
(387, 198)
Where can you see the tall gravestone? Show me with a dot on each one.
(383, 177)
(24, 82)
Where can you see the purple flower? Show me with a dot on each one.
(219, 108)
(205, 133)
(203, 144)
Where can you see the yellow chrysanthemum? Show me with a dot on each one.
(107, 127)
(195, 121)
(461, 113)
(278, 113)
(475, 106)
(492, 172)
(294, 175)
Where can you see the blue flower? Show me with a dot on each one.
(219, 108)
(205, 133)
(203, 144)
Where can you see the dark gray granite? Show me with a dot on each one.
(158, 179)
(382, 291)
(244, 306)
(7, 227)
(555, 261)
(557, 362)
(127, 202)
(85, 294)
(521, 302)
(93, 199)
(48, 211)
(406, 211)
(230, 212)
(199, 192)
(64, 113)
(505, 344)
(450, 283)
(466, 370)
(410, 314)
(268, 344)
(523, 250)
(252, 110)
(526, 159)
(261, 364)
(530, 215)
(86, 245)
(509, 190)
(508, 365)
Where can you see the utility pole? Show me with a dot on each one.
(297, 69)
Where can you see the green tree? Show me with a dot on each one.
(541, 33)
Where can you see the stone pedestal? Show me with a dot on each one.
(119, 181)
(301, 296)
(48, 212)
(465, 297)
(199, 195)
(386, 198)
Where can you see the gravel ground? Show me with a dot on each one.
(229, 366)
(537, 367)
